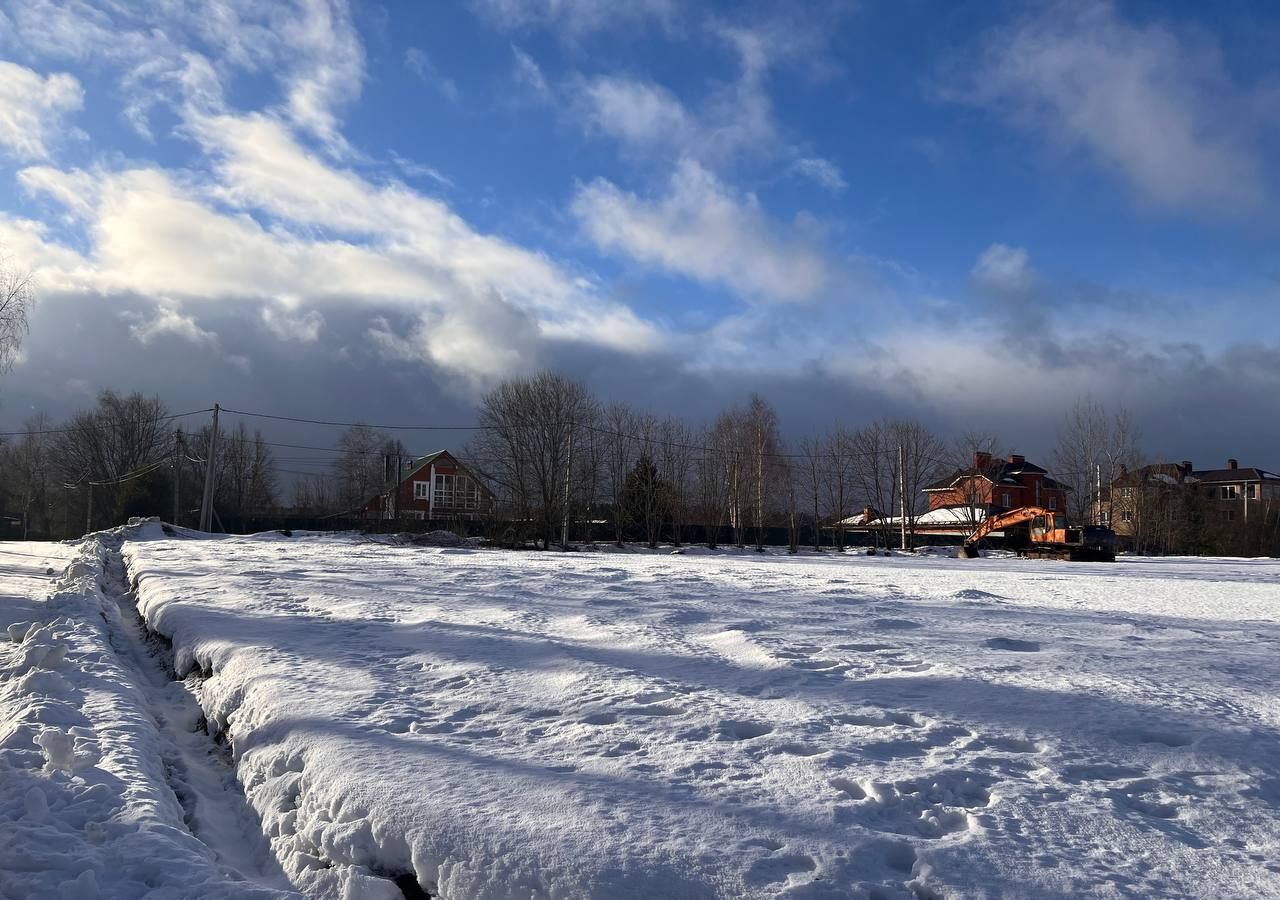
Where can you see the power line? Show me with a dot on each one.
(240, 412)
(80, 428)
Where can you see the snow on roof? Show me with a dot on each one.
(946, 515)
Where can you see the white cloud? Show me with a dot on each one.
(634, 112)
(32, 109)
(735, 119)
(311, 47)
(528, 75)
(419, 63)
(1005, 270)
(152, 236)
(327, 68)
(702, 230)
(822, 172)
(167, 320)
(291, 325)
(420, 170)
(1155, 107)
(575, 18)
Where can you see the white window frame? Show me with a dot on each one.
(422, 490)
(1230, 492)
(1006, 499)
(1053, 502)
(456, 491)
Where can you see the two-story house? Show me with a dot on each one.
(435, 486)
(993, 485)
(1237, 493)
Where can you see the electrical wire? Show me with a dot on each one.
(194, 412)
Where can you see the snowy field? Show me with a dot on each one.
(485, 724)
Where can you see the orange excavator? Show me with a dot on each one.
(1048, 537)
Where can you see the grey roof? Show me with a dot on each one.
(1244, 473)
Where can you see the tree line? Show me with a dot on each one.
(566, 465)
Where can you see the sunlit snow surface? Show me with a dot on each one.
(633, 725)
(488, 724)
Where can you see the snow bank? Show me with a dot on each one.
(517, 725)
(87, 809)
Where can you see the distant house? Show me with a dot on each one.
(959, 502)
(1138, 495)
(1233, 494)
(435, 486)
(1237, 493)
(994, 485)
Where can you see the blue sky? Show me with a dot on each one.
(969, 213)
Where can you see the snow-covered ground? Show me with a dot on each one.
(105, 789)
(486, 724)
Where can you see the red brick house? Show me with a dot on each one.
(435, 486)
(994, 485)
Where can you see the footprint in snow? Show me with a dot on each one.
(1172, 737)
(732, 730)
(1013, 645)
(775, 868)
(894, 624)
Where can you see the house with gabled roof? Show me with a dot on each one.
(435, 486)
(993, 484)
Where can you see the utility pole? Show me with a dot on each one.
(902, 493)
(395, 492)
(177, 474)
(1097, 494)
(206, 503)
(759, 489)
(568, 472)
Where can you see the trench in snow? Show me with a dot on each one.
(199, 767)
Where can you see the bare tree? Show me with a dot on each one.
(895, 460)
(875, 468)
(645, 489)
(246, 480)
(920, 455)
(27, 464)
(618, 432)
(529, 427)
(712, 477)
(360, 468)
(1093, 444)
(729, 438)
(675, 466)
(17, 296)
(839, 475)
(119, 444)
(792, 476)
(313, 495)
(809, 470)
(764, 450)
